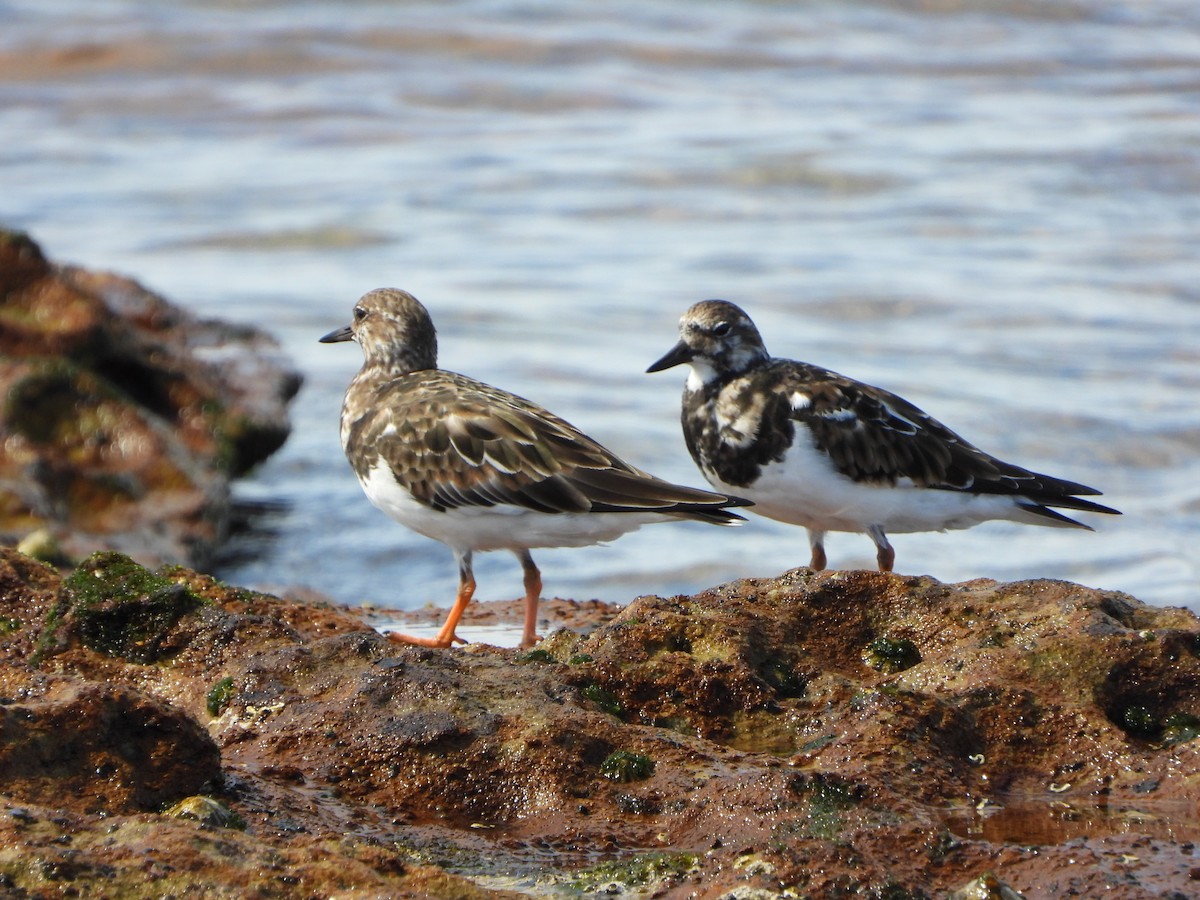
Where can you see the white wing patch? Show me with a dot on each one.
(800, 401)
(845, 414)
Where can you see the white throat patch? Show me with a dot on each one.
(700, 374)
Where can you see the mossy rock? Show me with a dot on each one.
(891, 655)
(219, 696)
(1179, 728)
(606, 700)
(783, 677)
(625, 766)
(57, 403)
(829, 798)
(119, 608)
(207, 811)
(639, 871)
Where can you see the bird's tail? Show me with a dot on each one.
(1041, 506)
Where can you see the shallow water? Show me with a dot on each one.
(991, 210)
(1032, 821)
(508, 635)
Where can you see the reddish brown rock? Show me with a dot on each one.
(822, 735)
(98, 749)
(124, 418)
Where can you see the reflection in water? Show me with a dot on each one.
(1035, 822)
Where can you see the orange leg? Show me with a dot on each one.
(446, 637)
(885, 555)
(816, 540)
(533, 594)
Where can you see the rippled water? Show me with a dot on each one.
(990, 208)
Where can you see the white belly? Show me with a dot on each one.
(805, 489)
(498, 527)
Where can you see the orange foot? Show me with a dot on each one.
(441, 642)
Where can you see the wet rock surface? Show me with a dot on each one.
(123, 418)
(814, 735)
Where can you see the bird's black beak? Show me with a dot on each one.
(341, 334)
(680, 353)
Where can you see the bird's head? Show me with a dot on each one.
(716, 338)
(394, 330)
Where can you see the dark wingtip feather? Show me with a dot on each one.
(1074, 503)
(1040, 506)
(717, 512)
(737, 501)
(1048, 513)
(715, 516)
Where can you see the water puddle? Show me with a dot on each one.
(498, 635)
(1034, 822)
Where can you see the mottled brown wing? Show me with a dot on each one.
(456, 442)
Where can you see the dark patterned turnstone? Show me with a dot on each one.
(815, 448)
(478, 468)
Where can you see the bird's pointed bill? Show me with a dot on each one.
(677, 355)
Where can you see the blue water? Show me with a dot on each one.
(992, 211)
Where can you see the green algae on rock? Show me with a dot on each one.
(219, 696)
(891, 655)
(828, 799)
(120, 608)
(640, 871)
(625, 766)
(1180, 727)
(604, 700)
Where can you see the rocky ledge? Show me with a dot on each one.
(814, 735)
(123, 418)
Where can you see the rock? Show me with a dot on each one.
(207, 811)
(743, 742)
(103, 750)
(986, 887)
(115, 606)
(125, 418)
(43, 546)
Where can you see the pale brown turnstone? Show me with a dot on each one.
(815, 448)
(478, 468)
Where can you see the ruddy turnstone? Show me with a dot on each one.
(478, 468)
(815, 448)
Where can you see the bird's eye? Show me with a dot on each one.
(359, 314)
(721, 329)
